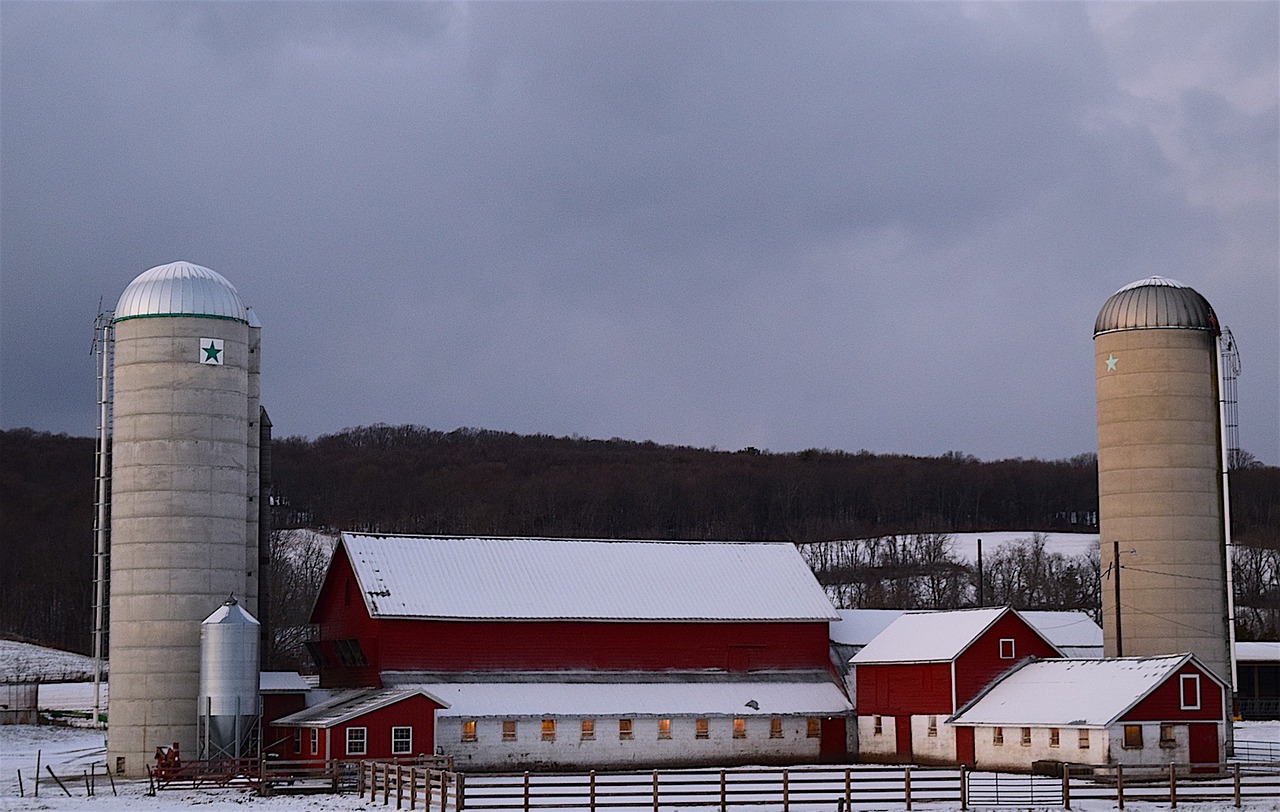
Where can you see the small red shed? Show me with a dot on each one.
(382, 723)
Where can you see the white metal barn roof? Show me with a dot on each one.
(530, 578)
(476, 699)
(1070, 693)
(1257, 652)
(181, 289)
(928, 637)
(1074, 633)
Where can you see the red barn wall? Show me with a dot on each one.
(1164, 703)
(341, 615)
(980, 663)
(903, 688)
(279, 740)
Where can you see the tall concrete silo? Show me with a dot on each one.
(184, 496)
(1161, 489)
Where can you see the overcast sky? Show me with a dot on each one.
(847, 225)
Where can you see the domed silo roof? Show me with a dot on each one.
(1155, 303)
(181, 289)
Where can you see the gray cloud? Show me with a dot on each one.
(879, 225)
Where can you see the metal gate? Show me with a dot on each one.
(1008, 789)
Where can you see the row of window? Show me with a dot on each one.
(626, 729)
(358, 741)
(1132, 735)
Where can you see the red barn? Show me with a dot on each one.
(656, 622)
(1133, 710)
(923, 667)
(356, 725)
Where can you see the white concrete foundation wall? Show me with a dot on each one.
(939, 748)
(607, 750)
(1153, 753)
(1015, 756)
(178, 522)
(874, 746)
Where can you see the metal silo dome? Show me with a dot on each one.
(1155, 303)
(181, 289)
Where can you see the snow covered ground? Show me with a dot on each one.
(965, 545)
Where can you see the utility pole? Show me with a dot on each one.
(1115, 570)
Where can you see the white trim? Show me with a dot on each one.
(408, 743)
(364, 741)
(1183, 681)
(1013, 648)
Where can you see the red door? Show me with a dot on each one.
(965, 753)
(833, 748)
(902, 729)
(1203, 743)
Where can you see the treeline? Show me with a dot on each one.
(409, 479)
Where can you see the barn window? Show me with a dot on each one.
(357, 741)
(700, 729)
(1007, 648)
(933, 726)
(588, 729)
(739, 728)
(401, 740)
(297, 741)
(997, 737)
(1167, 737)
(1055, 737)
(775, 728)
(316, 650)
(548, 730)
(1133, 736)
(469, 730)
(315, 741)
(1026, 737)
(508, 730)
(664, 728)
(813, 727)
(350, 654)
(1190, 690)
(877, 726)
(625, 729)
(1083, 741)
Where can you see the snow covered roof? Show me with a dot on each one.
(857, 627)
(1257, 652)
(1065, 629)
(1070, 693)
(534, 578)
(349, 705)
(27, 662)
(538, 699)
(282, 682)
(928, 637)
(1074, 633)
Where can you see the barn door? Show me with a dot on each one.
(902, 730)
(1203, 743)
(833, 748)
(965, 752)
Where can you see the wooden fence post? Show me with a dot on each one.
(655, 791)
(723, 800)
(1173, 786)
(786, 791)
(444, 791)
(526, 791)
(906, 785)
(591, 791)
(460, 793)
(1120, 787)
(399, 787)
(386, 781)
(1236, 782)
(1066, 786)
(964, 786)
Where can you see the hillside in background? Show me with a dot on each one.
(408, 479)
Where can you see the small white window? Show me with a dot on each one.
(1083, 740)
(1055, 737)
(664, 728)
(1007, 648)
(297, 741)
(548, 730)
(933, 726)
(813, 728)
(775, 727)
(700, 729)
(508, 730)
(315, 741)
(469, 730)
(357, 741)
(997, 737)
(1190, 691)
(401, 741)
(588, 730)
(1026, 737)
(739, 728)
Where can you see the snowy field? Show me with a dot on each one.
(965, 545)
(70, 752)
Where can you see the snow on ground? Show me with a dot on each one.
(24, 662)
(965, 545)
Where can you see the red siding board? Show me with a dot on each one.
(416, 712)
(1164, 703)
(981, 662)
(892, 689)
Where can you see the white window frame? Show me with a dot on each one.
(548, 730)
(932, 732)
(775, 727)
(740, 728)
(315, 741)
(587, 730)
(1183, 681)
(362, 734)
(1008, 644)
(404, 746)
(509, 730)
(664, 728)
(470, 732)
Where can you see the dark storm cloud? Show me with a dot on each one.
(880, 225)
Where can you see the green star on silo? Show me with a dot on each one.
(1111, 363)
(211, 352)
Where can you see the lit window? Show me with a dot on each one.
(1083, 742)
(315, 741)
(664, 728)
(933, 726)
(357, 741)
(401, 741)
(739, 728)
(469, 730)
(548, 730)
(1190, 685)
(700, 729)
(624, 729)
(1006, 648)
(1055, 737)
(997, 737)
(1167, 737)
(1133, 736)
(775, 728)
(508, 730)
(588, 729)
(1026, 737)
(877, 726)
(813, 728)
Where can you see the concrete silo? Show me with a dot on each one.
(184, 496)
(1161, 489)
